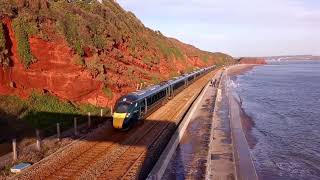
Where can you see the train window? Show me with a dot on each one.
(149, 101)
(123, 107)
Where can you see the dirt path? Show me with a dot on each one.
(111, 154)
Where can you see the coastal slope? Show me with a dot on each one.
(87, 52)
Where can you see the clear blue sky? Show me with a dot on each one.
(237, 27)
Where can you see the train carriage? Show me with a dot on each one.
(136, 106)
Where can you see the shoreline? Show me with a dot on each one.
(240, 69)
(246, 120)
(241, 125)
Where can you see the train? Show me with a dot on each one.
(136, 106)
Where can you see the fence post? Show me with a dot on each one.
(141, 85)
(101, 113)
(38, 140)
(58, 132)
(75, 126)
(111, 111)
(89, 119)
(137, 87)
(14, 149)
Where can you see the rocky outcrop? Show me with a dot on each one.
(251, 60)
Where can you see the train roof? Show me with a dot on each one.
(141, 94)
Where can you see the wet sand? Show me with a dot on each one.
(239, 69)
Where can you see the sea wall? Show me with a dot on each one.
(244, 165)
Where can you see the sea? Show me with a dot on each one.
(282, 100)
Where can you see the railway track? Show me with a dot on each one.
(112, 154)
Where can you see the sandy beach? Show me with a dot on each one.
(239, 69)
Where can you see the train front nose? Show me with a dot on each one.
(118, 120)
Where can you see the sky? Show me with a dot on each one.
(236, 27)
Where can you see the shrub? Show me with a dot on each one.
(147, 60)
(69, 26)
(205, 58)
(2, 37)
(130, 71)
(108, 92)
(155, 79)
(85, 108)
(21, 33)
(103, 27)
(45, 110)
(169, 50)
(78, 48)
(4, 54)
(12, 104)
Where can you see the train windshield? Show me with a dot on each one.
(123, 107)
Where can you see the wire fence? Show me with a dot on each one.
(75, 126)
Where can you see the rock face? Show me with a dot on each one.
(55, 72)
(79, 62)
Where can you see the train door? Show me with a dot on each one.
(136, 111)
(172, 93)
(142, 109)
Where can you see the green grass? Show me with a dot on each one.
(85, 108)
(5, 171)
(44, 110)
(12, 105)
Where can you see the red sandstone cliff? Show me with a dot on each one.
(249, 60)
(99, 75)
